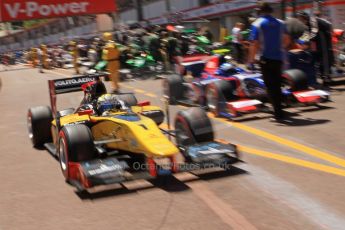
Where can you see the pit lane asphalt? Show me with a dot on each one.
(293, 177)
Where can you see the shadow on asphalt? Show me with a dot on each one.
(338, 90)
(337, 82)
(314, 109)
(291, 121)
(233, 171)
(166, 183)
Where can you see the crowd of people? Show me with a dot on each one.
(162, 44)
(158, 41)
(310, 33)
(269, 42)
(308, 47)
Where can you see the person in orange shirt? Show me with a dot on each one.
(75, 54)
(111, 54)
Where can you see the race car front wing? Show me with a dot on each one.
(112, 170)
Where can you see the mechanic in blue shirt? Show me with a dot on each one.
(268, 38)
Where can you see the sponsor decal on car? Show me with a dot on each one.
(76, 123)
(73, 81)
(104, 169)
(110, 167)
(209, 149)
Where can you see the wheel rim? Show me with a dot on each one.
(63, 155)
(29, 125)
(211, 100)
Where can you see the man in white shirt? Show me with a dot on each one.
(237, 42)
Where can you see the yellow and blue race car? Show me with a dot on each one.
(111, 138)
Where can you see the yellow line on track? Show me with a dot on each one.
(283, 141)
(285, 159)
(294, 161)
(150, 95)
(140, 91)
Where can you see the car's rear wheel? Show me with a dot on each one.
(173, 88)
(75, 145)
(217, 93)
(193, 126)
(39, 125)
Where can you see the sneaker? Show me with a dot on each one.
(326, 81)
(281, 119)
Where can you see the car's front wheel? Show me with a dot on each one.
(39, 125)
(75, 145)
(193, 126)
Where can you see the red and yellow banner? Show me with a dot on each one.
(18, 10)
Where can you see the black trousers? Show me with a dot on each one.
(272, 75)
(238, 52)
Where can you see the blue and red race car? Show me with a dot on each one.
(228, 90)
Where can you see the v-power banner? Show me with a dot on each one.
(18, 10)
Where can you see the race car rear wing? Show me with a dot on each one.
(69, 85)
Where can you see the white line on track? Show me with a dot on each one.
(294, 198)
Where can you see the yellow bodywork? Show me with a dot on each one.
(142, 136)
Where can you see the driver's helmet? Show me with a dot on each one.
(109, 102)
(226, 67)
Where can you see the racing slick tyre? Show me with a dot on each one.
(193, 126)
(218, 93)
(75, 145)
(173, 88)
(39, 125)
(129, 99)
(295, 80)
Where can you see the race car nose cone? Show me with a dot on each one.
(163, 149)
